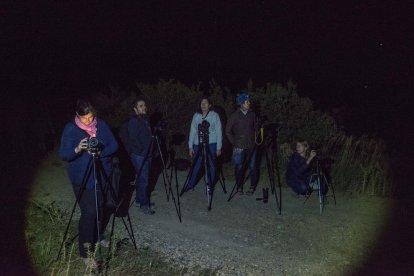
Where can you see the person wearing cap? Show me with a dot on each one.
(241, 129)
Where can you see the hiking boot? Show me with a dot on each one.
(147, 210)
(90, 263)
(104, 243)
(250, 191)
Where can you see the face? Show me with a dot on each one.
(86, 119)
(246, 105)
(140, 108)
(300, 148)
(205, 105)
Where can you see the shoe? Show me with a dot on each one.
(240, 192)
(104, 243)
(147, 210)
(90, 263)
(250, 191)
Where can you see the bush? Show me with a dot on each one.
(359, 164)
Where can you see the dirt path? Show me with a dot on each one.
(245, 236)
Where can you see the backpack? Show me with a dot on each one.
(124, 135)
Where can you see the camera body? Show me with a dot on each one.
(93, 145)
(203, 132)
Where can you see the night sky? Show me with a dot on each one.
(355, 56)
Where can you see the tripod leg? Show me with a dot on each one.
(193, 173)
(329, 186)
(176, 186)
(240, 173)
(130, 231)
(78, 197)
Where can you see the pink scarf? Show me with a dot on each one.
(90, 129)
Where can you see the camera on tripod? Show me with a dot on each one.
(203, 131)
(93, 145)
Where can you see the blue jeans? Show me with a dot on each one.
(239, 158)
(142, 167)
(212, 148)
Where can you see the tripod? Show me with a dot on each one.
(270, 149)
(92, 168)
(166, 179)
(318, 182)
(203, 152)
(272, 161)
(118, 213)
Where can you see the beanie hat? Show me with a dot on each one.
(242, 98)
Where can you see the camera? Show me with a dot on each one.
(203, 131)
(161, 125)
(93, 144)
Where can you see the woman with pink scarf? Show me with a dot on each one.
(74, 149)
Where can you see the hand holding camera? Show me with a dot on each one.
(83, 145)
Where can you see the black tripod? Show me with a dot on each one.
(166, 179)
(119, 200)
(240, 180)
(92, 168)
(272, 164)
(204, 153)
(269, 142)
(318, 182)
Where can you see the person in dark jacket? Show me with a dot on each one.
(140, 145)
(74, 149)
(241, 130)
(298, 171)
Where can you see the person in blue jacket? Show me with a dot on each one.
(215, 139)
(74, 149)
(298, 171)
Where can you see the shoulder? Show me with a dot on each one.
(235, 114)
(101, 122)
(252, 113)
(214, 113)
(70, 126)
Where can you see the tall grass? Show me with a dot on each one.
(44, 232)
(361, 165)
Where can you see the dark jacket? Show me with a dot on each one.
(298, 172)
(241, 129)
(140, 135)
(78, 163)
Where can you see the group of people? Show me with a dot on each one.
(241, 130)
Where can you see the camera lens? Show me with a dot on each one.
(93, 142)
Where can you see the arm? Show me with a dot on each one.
(219, 135)
(133, 135)
(311, 156)
(219, 132)
(70, 145)
(108, 140)
(192, 136)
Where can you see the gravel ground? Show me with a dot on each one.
(245, 236)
